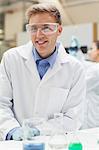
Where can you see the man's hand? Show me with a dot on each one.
(20, 133)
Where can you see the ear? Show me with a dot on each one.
(59, 29)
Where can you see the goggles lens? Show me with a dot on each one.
(47, 28)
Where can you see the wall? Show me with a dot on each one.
(98, 31)
(84, 32)
(13, 24)
(22, 38)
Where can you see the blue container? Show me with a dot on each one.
(33, 146)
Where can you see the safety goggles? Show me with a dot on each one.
(45, 28)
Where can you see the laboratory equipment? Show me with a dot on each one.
(58, 138)
(31, 132)
(33, 146)
(75, 144)
(30, 127)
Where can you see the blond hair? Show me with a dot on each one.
(44, 8)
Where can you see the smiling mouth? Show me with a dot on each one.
(41, 42)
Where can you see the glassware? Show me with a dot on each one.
(33, 146)
(75, 144)
(58, 139)
(30, 128)
(30, 125)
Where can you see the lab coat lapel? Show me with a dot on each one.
(32, 67)
(61, 59)
(26, 52)
(52, 71)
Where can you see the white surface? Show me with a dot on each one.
(10, 145)
(87, 137)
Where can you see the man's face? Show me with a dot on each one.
(44, 42)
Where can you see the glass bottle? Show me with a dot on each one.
(75, 144)
(58, 140)
(30, 141)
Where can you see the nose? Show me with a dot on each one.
(39, 33)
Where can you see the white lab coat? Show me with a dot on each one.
(92, 95)
(23, 94)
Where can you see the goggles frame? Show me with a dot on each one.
(45, 28)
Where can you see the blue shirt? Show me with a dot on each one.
(44, 64)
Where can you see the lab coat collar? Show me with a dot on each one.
(26, 50)
(63, 56)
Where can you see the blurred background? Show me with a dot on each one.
(80, 19)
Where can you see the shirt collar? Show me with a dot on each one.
(51, 59)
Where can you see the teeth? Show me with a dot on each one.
(40, 42)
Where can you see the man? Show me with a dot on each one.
(40, 78)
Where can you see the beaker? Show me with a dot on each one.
(58, 139)
(30, 127)
(75, 144)
(31, 133)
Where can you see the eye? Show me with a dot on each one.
(50, 28)
(46, 29)
(33, 28)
